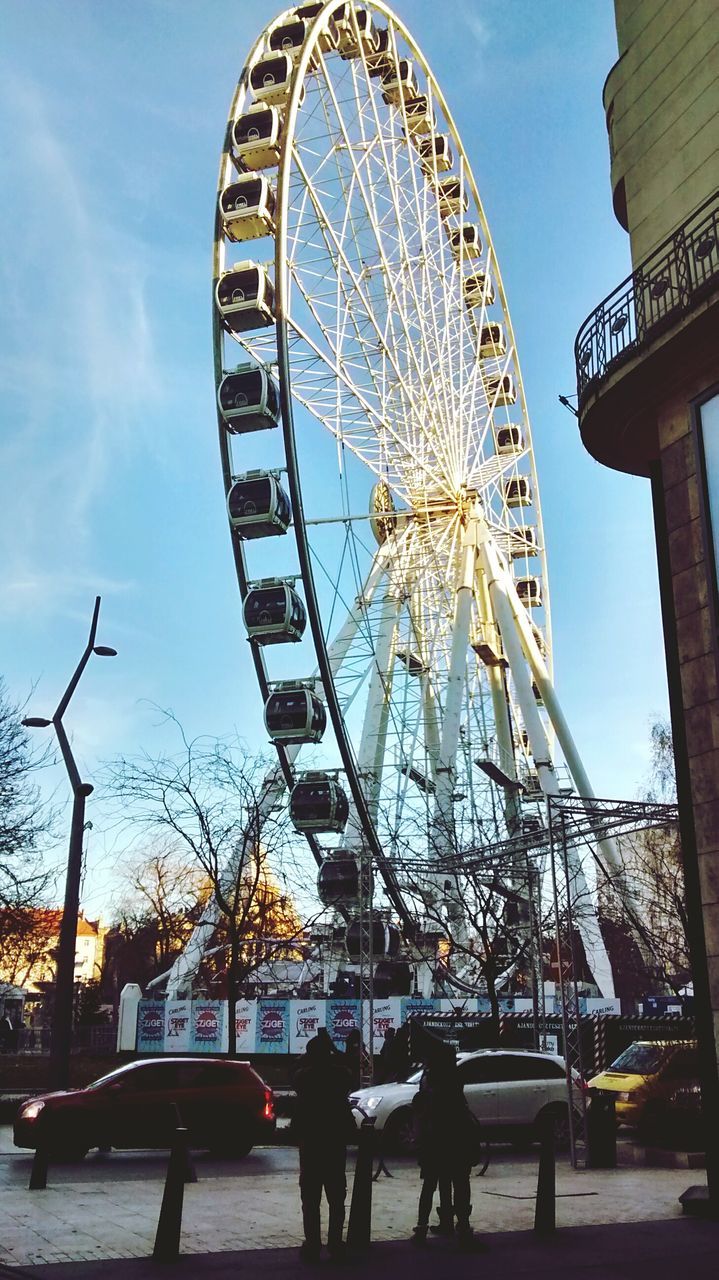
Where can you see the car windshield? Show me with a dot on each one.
(640, 1060)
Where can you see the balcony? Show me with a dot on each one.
(623, 363)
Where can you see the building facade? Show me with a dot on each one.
(28, 956)
(648, 387)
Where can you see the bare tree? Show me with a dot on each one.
(28, 941)
(162, 888)
(652, 864)
(219, 805)
(26, 823)
(482, 911)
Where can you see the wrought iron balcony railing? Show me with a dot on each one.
(663, 289)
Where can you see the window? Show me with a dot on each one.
(155, 1077)
(640, 1059)
(219, 1075)
(480, 1070)
(516, 1066)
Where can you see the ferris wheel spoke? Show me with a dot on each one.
(364, 188)
(362, 443)
(407, 258)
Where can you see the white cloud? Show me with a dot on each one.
(77, 359)
(476, 23)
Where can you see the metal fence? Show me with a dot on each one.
(99, 1039)
(667, 285)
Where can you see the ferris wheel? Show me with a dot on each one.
(378, 466)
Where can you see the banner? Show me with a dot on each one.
(150, 1026)
(458, 1005)
(306, 1018)
(273, 1026)
(246, 1025)
(208, 1017)
(178, 1026)
(385, 1014)
(415, 1006)
(343, 1016)
(597, 1004)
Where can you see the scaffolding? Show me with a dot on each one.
(573, 822)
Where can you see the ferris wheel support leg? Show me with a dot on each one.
(339, 648)
(587, 921)
(374, 729)
(188, 962)
(455, 687)
(607, 847)
(498, 692)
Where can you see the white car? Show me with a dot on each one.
(507, 1089)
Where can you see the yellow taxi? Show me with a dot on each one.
(645, 1077)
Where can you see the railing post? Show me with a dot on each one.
(601, 341)
(640, 317)
(684, 274)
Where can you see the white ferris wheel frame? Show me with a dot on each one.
(484, 580)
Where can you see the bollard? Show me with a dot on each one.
(169, 1224)
(359, 1227)
(601, 1131)
(40, 1163)
(545, 1207)
(189, 1168)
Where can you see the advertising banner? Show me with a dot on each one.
(207, 1021)
(385, 1014)
(343, 1016)
(150, 1026)
(415, 1006)
(597, 1004)
(306, 1018)
(178, 1026)
(459, 1005)
(273, 1026)
(246, 1025)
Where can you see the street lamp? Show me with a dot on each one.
(61, 1033)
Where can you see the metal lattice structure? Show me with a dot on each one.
(573, 823)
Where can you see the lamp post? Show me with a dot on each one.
(61, 1032)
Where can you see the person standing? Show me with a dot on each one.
(7, 1033)
(353, 1056)
(445, 1136)
(323, 1123)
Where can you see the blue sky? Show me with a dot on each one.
(109, 470)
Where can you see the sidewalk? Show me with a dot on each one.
(108, 1207)
(627, 1251)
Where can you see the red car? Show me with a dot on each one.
(224, 1105)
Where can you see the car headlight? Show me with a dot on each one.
(623, 1097)
(371, 1104)
(32, 1110)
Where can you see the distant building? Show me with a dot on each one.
(648, 382)
(28, 951)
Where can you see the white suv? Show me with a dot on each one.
(507, 1089)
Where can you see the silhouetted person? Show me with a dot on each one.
(7, 1034)
(353, 1056)
(386, 1063)
(445, 1137)
(323, 1122)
